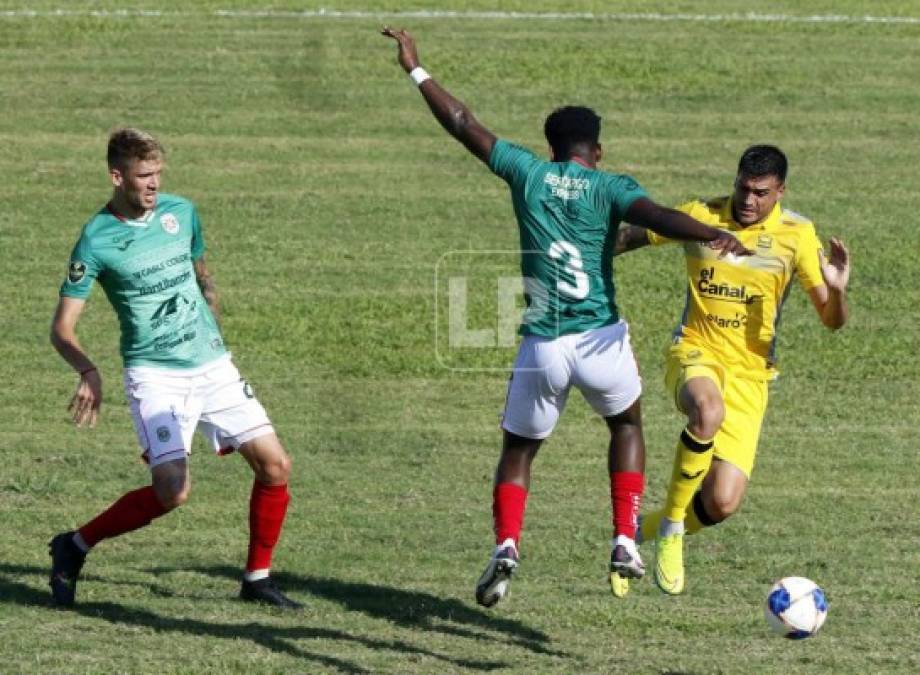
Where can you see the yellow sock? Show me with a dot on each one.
(691, 462)
(650, 523)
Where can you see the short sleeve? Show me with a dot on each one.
(511, 162)
(82, 270)
(622, 191)
(198, 247)
(808, 259)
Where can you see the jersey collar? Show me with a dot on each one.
(143, 221)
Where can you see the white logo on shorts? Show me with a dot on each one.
(169, 223)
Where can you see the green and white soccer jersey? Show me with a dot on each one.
(568, 215)
(145, 268)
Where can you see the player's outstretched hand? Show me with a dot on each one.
(408, 55)
(84, 406)
(835, 268)
(728, 243)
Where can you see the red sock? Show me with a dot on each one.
(132, 511)
(267, 508)
(508, 503)
(626, 488)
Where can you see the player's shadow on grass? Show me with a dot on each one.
(417, 610)
(409, 609)
(414, 609)
(279, 639)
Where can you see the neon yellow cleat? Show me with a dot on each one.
(619, 586)
(625, 564)
(669, 563)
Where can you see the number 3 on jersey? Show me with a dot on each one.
(557, 251)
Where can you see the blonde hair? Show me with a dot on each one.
(128, 144)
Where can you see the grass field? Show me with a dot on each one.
(329, 196)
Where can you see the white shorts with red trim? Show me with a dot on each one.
(599, 362)
(168, 405)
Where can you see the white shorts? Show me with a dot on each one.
(599, 362)
(168, 405)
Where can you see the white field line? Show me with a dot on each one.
(748, 17)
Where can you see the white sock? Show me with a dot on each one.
(505, 544)
(669, 527)
(256, 575)
(623, 540)
(79, 543)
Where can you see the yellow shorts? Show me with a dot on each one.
(745, 402)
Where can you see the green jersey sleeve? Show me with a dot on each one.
(511, 162)
(622, 191)
(198, 247)
(82, 270)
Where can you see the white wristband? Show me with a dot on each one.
(419, 75)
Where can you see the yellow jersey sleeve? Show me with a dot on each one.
(656, 239)
(808, 259)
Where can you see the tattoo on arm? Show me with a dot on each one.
(208, 289)
(630, 237)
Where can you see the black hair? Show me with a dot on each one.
(763, 160)
(570, 126)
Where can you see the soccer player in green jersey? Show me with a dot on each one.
(568, 212)
(146, 250)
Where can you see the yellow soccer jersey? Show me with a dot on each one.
(734, 303)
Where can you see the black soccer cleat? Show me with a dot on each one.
(66, 562)
(495, 579)
(626, 563)
(266, 592)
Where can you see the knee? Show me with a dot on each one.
(706, 417)
(172, 497)
(722, 505)
(277, 471)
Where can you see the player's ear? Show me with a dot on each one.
(780, 191)
(552, 154)
(117, 177)
(598, 153)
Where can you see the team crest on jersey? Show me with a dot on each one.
(76, 271)
(169, 223)
(765, 242)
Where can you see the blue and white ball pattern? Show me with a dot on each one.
(796, 607)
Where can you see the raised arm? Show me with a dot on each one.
(453, 115)
(87, 400)
(675, 224)
(830, 299)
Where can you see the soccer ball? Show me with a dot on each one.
(796, 607)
